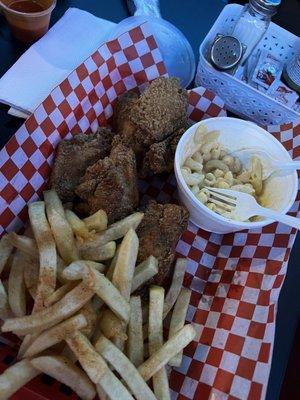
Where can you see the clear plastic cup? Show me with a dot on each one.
(28, 26)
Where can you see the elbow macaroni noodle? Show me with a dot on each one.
(212, 166)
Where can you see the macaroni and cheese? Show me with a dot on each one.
(211, 165)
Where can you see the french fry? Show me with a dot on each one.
(156, 305)
(112, 387)
(46, 318)
(56, 334)
(14, 377)
(63, 370)
(178, 320)
(25, 244)
(124, 270)
(30, 279)
(5, 251)
(79, 228)
(106, 252)
(111, 326)
(91, 318)
(125, 264)
(47, 252)
(35, 256)
(97, 221)
(31, 274)
(177, 280)
(59, 293)
(102, 288)
(90, 360)
(60, 227)
(5, 311)
(174, 290)
(28, 339)
(125, 368)
(112, 266)
(113, 232)
(143, 272)
(96, 265)
(77, 269)
(16, 286)
(170, 348)
(135, 344)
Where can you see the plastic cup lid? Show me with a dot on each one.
(176, 51)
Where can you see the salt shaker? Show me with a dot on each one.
(253, 23)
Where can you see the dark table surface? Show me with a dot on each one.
(194, 18)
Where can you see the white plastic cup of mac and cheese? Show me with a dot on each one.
(279, 190)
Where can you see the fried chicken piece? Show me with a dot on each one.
(122, 124)
(74, 156)
(159, 232)
(154, 115)
(160, 156)
(111, 185)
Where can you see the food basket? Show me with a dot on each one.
(240, 98)
(235, 279)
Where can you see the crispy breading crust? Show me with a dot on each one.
(159, 232)
(160, 156)
(74, 156)
(111, 185)
(122, 124)
(160, 110)
(155, 116)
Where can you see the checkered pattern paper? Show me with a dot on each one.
(235, 278)
(235, 281)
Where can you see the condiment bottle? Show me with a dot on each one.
(253, 23)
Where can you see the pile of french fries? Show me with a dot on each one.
(86, 329)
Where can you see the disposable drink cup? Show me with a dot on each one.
(28, 20)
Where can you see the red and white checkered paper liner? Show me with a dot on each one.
(235, 278)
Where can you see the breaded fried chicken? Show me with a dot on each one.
(74, 156)
(152, 117)
(160, 156)
(123, 125)
(110, 184)
(159, 232)
(160, 110)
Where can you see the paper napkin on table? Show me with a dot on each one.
(51, 59)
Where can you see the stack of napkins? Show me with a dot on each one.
(51, 59)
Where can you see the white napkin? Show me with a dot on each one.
(51, 59)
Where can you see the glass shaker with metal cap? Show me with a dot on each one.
(253, 23)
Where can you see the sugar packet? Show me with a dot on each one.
(282, 93)
(267, 70)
